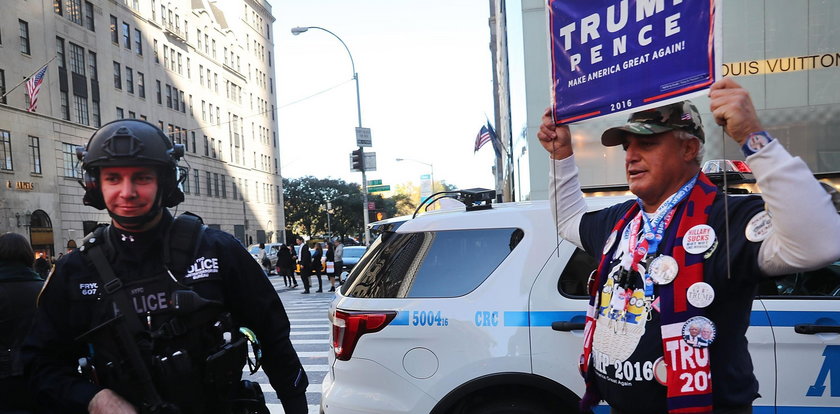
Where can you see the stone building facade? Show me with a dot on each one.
(203, 71)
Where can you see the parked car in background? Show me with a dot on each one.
(271, 250)
(352, 254)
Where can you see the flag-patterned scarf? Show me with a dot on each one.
(689, 384)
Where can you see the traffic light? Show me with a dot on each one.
(358, 159)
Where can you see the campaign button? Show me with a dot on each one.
(759, 227)
(663, 269)
(700, 295)
(699, 332)
(698, 239)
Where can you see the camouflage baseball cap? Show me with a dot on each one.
(679, 115)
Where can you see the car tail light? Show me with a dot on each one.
(349, 326)
(741, 166)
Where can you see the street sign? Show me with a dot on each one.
(370, 162)
(374, 182)
(363, 138)
(378, 188)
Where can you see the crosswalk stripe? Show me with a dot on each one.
(308, 341)
(318, 332)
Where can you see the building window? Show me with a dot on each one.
(141, 84)
(74, 11)
(180, 66)
(65, 106)
(117, 76)
(59, 52)
(77, 59)
(120, 113)
(168, 96)
(196, 182)
(233, 188)
(138, 42)
(212, 147)
(188, 67)
(224, 187)
(175, 103)
(154, 46)
(203, 110)
(209, 184)
(201, 75)
(81, 105)
(97, 119)
(185, 185)
(6, 151)
(2, 86)
(193, 142)
(114, 36)
(126, 35)
(132, 114)
(157, 88)
(92, 65)
(216, 183)
(183, 104)
(214, 48)
(89, 16)
(24, 37)
(68, 155)
(129, 80)
(206, 147)
(35, 151)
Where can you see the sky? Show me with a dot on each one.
(425, 87)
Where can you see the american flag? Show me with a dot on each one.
(33, 86)
(482, 138)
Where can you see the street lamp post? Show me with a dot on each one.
(302, 29)
(430, 165)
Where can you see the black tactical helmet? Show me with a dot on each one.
(130, 143)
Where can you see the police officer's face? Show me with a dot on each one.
(656, 166)
(128, 191)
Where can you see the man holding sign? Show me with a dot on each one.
(666, 252)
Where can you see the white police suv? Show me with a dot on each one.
(452, 312)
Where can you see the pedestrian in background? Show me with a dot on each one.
(284, 265)
(19, 287)
(305, 262)
(330, 255)
(263, 260)
(317, 266)
(339, 260)
(42, 266)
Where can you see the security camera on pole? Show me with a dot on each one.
(364, 165)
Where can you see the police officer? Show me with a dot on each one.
(689, 256)
(124, 326)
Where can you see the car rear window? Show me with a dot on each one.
(431, 264)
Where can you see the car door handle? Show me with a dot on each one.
(564, 326)
(808, 329)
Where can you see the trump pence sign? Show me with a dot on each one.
(615, 55)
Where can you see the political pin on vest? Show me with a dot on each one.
(660, 371)
(699, 332)
(700, 295)
(663, 269)
(759, 227)
(698, 239)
